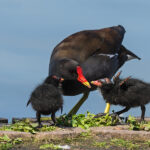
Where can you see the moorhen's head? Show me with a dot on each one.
(71, 70)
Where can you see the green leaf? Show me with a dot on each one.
(26, 127)
(86, 120)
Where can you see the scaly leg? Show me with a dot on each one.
(107, 108)
(38, 117)
(78, 105)
(143, 112)
(53, 117)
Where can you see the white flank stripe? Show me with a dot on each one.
(109, 55)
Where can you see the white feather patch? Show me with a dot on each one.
(109, 55)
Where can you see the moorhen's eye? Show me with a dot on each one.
(73, 73)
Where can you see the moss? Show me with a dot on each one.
(51, 146)
(46, 119)
(101, 144)
(124, 143)
(27, 126)
(7, 143)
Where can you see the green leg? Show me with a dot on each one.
(78, 105)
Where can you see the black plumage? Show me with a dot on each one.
(46, 99)
(99, 53)
(130, 93)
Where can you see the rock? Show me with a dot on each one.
(33, 120)
(3, 120)
(14, 120)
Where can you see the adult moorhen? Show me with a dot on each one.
(88, 55)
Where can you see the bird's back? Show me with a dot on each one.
(138, 91)
(132, 93)
(81, 45)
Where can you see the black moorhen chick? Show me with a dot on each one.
(88, 55)
(128, 92)
(46, 98)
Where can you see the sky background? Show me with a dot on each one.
(30, 29)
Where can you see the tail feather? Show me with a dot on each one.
(28, 103)
(61, 109)
(130, 54)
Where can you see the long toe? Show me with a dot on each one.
(100, 115)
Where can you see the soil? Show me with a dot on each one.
(96, 138)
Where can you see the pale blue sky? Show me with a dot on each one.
(29, 30)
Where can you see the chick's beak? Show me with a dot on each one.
(96, 83)
(61, 79)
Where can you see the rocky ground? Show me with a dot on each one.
(95, 138)
(117, 137)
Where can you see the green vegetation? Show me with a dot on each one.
(86, 134)
(26, 126)
(129, 145)
(52, 146)
(124, 143)
(135, 125)
(101, 144)
(147, 143)
(47, 128)
(86, 120)
(7, 143)
(86, 140)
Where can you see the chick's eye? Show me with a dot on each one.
(72, 71)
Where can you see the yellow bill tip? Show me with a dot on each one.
(86, 84)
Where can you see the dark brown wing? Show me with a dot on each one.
(82, 45)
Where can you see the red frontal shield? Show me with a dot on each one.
(81, 77)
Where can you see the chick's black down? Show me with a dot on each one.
(132, 93)
(46, 99)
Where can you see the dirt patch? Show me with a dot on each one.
(120, 131)
(108, 137)
(114, 138)
(87, 141)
